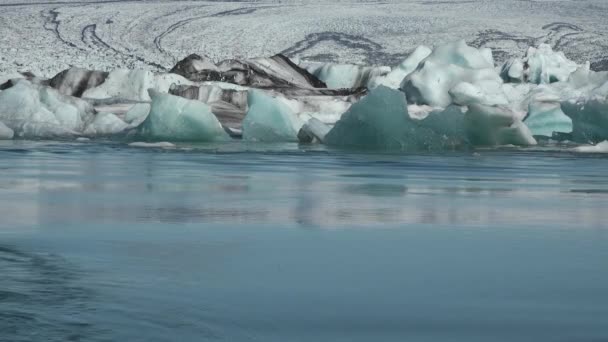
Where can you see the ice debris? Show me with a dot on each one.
(601, 147)
(451, 96)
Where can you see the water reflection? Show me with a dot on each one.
(132, 185)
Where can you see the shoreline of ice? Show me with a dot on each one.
(451, 97)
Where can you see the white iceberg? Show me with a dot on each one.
(34, 111)
(448, 66)
(495, 125)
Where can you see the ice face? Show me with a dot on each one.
(545, 117)
(313, 131)
(589, 118)
(547, 66)
(494, 125)
(445, 68)
(105, 124)
(173, 118)
(271, 118)
(364, 126)
(34, 111)
(5, 132)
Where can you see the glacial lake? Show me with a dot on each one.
(235, 242)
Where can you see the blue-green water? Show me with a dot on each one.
(104, 242)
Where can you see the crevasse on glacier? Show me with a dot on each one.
(449, 97)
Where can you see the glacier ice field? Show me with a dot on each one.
(450, 97)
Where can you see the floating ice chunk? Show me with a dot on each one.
(161, 144)
(547, 66)
(338, 76)
(381, 121)
(545, 116)
(133, 85)
(271, 118)
(589, 118)
(5, 132)
(105, 124)
(601, 147)
(137, 114)
(445, 68)
(494, 125)
(313, 130)
(173, 118)
(34, 111)
(376, 121)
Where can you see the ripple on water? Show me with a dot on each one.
(41, 299)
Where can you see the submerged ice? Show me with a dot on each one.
(446, 97)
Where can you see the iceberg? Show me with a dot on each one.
(448, 66)
(546, 66)
(137, 114)
(313, 131)
(589, 118)
(173, 118)
(35, 111)
(545, 116)
(495, 125)
(392, 128)
(271, 118)
(5, 132)
(105, 124)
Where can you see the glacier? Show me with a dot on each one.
(450, 96)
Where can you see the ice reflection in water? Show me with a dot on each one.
(313, 188)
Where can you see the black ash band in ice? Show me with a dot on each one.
(451, 97)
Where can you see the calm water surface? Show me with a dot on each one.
(104, 242)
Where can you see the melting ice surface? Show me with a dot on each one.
(450, 97)
(221, 242)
